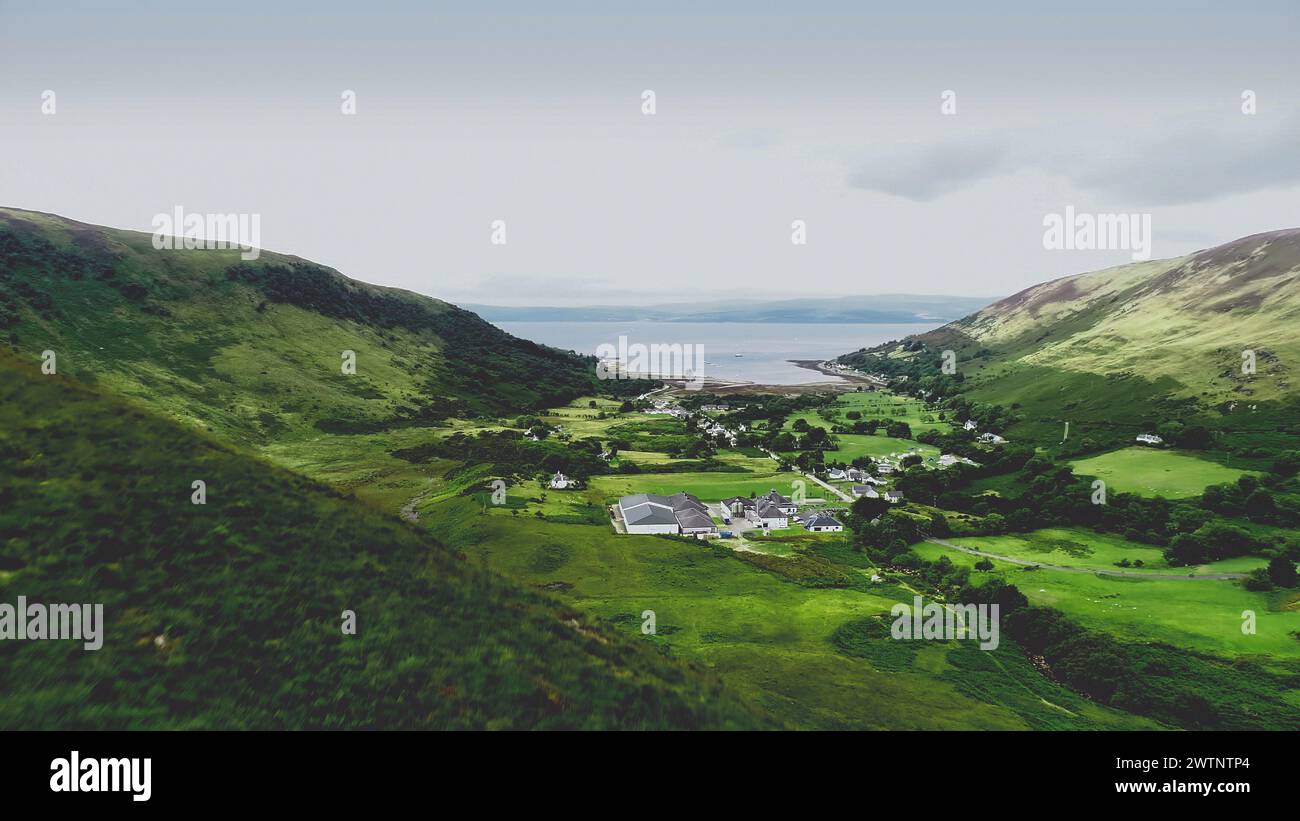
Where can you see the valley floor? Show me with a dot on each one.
(761, 612)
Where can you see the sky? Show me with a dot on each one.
(832, 114)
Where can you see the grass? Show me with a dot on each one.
(709, 487)
(873, 405)
(1153, 472)
(770, 637)
(1200, 615)
(253, 354)
(1089, 550)
(854, 445)
(252, 359)
(227, 615)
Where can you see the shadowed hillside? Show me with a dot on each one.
(229, 614)
(254, 349)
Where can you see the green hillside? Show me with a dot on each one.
(1120, 351)
(229, 614)
(253, 350)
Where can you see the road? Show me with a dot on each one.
(1128, 574)
(846, 497)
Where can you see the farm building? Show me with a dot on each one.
(649, 513)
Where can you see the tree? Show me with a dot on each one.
(1282, 572)
(867, 509)
(1287, 465)
(1171, 431)
(899, 430)
(815, 438)
(1185, 549)
(1196, 437)
(1260, 506)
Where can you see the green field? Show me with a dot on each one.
(1089, 550)
(1201, 615)
(710, 487)
(769, 637)
(854, 445)
(873, 405)
(1153, 472)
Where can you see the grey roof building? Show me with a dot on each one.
(823, 521)
(652, 513)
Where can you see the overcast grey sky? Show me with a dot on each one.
(765, 114)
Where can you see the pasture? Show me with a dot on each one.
(1196, 614)
(1153, 472)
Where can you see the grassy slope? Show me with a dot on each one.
(1187, 319)
(227, 615)
(252, 351)
(1117, 351)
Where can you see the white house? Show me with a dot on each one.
(893, 497)
(559, 481)
(949, 459)
(767, 514)
(865, 490)
(992, 439)
(823, 523)
(970, 424)
(836, 475)
(1149, 439)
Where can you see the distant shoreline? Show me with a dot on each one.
(723, 387)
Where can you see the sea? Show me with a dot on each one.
(757, 352)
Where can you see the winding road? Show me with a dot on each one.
(1127, 574)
